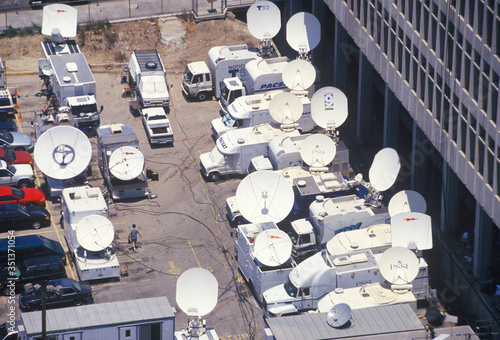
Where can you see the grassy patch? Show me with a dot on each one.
(11, 32)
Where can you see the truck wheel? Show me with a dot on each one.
(202, 96)
(37, 225)
(77, 302)
(214, 176)
(24, 183)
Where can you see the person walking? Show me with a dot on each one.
(132, 236)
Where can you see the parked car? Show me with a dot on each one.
(16, 157)
(157, 125)
(23, 196)
(6, 333)
(16, 141)
(16, 216)
(7, 124)
(60, 293)
(32, 270)
(21, 175)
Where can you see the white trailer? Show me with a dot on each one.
(148, 79)
(109, 139)
(202, 81)
(236, 148)
(251, 110)
(76, 204)
(259, 277)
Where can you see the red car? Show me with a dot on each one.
(24, 196)
(16, 157)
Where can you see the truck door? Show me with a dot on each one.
(5, 177)
(305, 299)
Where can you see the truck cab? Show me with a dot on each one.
(8, 103)
(84, 111)
(230, 89)
(197, 81)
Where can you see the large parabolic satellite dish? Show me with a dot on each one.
(385, 169)
(95, 232)
(61, 19)
(197, 292)
(264, 196)
(62, 152)
(263, 20)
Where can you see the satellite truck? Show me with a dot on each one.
(121, 162)
(148, 79)
(201, 81)
(8, 101)
(303, 35)
(235, 149)
(251, 110)
(331, 216)
(263, 250)
(66, 75)
(89, 233)
(321, 274)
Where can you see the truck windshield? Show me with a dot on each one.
(187, 76)
(4, 102)
(224, 91)
(290, 288)
(228, 120)
(84, 110)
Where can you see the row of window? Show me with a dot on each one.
(463, 66)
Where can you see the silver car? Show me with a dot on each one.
(18, 141)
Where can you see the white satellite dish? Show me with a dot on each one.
(412, 230)
(59, 19)
(95, 232)
(126, 163)
(318, 150)
(62, 152)
(329, 107)
(286, 108)
(399, 265)
(407, 201)
(385, 169)
(264, 20)
(338, 315)
(299, 75)
(197, 291)
(272, 247)
(303, 32)
(264, 196)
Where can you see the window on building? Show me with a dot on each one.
(463, 135)
(416, 20)
(127, 333)
(480, 158)
(480, 18)
(470, 12)
(472, 146)
(454, 124)
(493, 95)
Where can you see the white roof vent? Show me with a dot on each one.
(72, 67)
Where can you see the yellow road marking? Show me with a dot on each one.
(196, 258)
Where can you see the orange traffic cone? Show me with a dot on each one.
(20, 115)
(15, 95)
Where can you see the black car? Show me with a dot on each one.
(17, 216)
(7, 124)
(59, 293)
(32, 270)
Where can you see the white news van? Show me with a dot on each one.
(78, 203)
(202, 81)
(261, 76)
(251, 110)
(236, 148)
